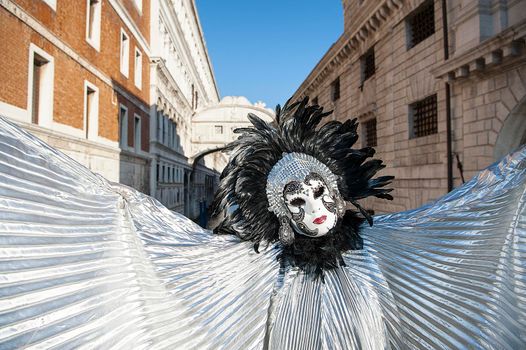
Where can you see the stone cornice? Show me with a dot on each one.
(509, 43)
(168, 12)
(161, 66)
(347, 43)
(205, 49)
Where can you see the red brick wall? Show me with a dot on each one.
(69, 24)
(15, 55)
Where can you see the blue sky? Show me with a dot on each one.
(264, 49)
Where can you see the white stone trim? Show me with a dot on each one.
(13, 112)
(138, 6)
(19, 13)
(52, 4)
(68, 130)
(45, 111)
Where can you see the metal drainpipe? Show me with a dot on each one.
(449, 139)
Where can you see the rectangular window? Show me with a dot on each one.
(218, 129)
(138, 68)
(137, 133)
(40, 86)
(368, 65)
(370, 133)
(335, 89)
(423, 117)
(93, 23)
(123, 127)
(165, 130)
(91, 110)
(159, 126)
(138, 5)
(125, 53)
(420, 24)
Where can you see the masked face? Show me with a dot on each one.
(312, 207)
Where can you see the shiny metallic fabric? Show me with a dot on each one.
(89, 264)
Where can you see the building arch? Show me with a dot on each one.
(513, 132)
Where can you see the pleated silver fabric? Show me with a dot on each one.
(85, 263)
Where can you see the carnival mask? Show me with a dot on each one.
(312, 207)
(303, 194)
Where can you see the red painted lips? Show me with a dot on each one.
(320, 220)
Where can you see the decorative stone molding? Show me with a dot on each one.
(493, 52)
(348, 43)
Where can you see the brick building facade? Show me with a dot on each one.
(428, 99)
(76, 74)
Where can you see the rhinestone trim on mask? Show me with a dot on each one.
(295, 167)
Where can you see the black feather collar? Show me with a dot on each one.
(318, 254)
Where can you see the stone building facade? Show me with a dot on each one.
(67, 70)
(431, 92)
(214, 126)
(182, 82)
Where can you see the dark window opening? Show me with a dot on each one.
(368, 65)
(420, 24)
(315, 100)
(424, 117)
(335, 89)
(370, 133)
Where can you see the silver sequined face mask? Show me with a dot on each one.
(312, 207)
(303, 193)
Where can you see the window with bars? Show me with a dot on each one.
(370, 133)
(368, 65)
(420, 24)
(335, 89)
(423, 116)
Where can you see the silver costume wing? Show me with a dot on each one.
(89, 264)
(456, 268)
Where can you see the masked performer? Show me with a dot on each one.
(87, 263)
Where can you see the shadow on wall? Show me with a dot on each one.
(134, 128)
(153, 161)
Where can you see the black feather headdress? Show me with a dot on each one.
(241, 204)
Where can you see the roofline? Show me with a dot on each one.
(202, 38)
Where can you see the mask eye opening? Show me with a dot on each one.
(319, 191)
(297, 202)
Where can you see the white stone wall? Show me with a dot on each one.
(182, 81)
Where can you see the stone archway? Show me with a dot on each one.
(513, 131)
